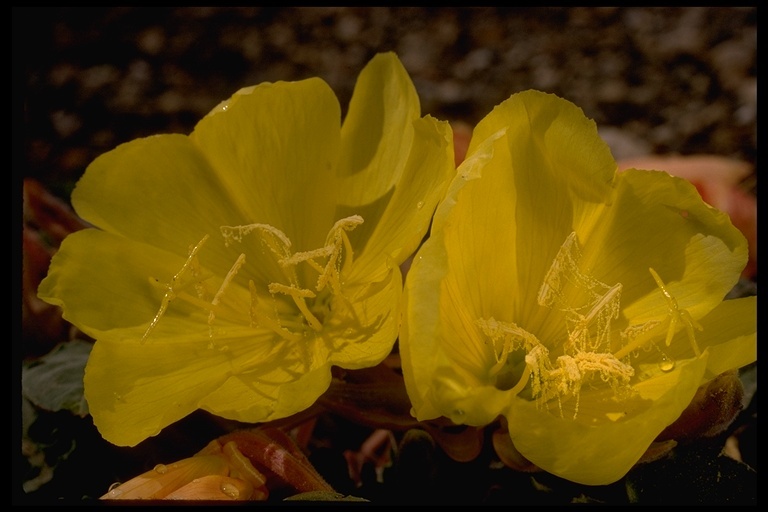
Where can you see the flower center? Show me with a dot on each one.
(267, 305)
(589, 355)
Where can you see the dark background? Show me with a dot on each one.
(656, 80)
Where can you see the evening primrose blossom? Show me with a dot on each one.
(583, 305)
(228, 270)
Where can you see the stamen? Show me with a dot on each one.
(341, 225)
(588, 333)
(298, 295)
(604, 310)
(180, 294)
(539, 366)
(293, 291)
(275, 239)
(280, 245)
(512, 337)
(228, 279)
(265, 321)
(308, 256)
(602, 301)
(571, 372)
(171, 291)
(675, 315)
(565, 269)
(337, 237)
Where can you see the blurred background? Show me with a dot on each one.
(657, 81)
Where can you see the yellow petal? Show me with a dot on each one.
(274, 147)
(729, 334)
(135, 389)
(558, 174)
(255, 398)
(161, 191)
(394, 164)
(93, 268)
(660, 222)
(378, 132)
(603, 453)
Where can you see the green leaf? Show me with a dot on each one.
(55, 381)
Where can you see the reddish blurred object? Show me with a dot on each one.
(721, 183)
(47, 221)
(462, 134)
(275, 454)
(374, 452)
(375, 397)
(218, 472)
(48, 214)
(712, 410)
(243, 465)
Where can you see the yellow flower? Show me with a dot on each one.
(583, 305)
(234, 266)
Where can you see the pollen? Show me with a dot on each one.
(565, 270)
(570, 373)
(506, 337)
(589, 307)
(589, 320)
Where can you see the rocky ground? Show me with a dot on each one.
(668, 80)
